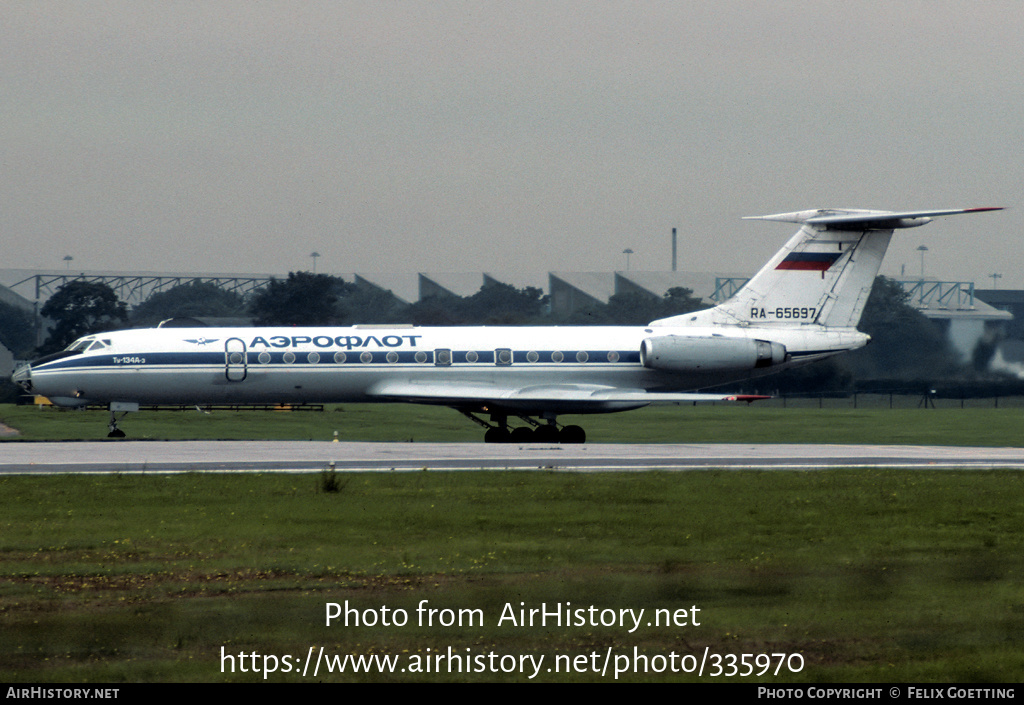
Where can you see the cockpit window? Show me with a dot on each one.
(84, 344)
(81, 344)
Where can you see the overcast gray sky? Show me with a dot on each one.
(508, 135)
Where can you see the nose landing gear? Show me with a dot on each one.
(123, 408)
(115, 432)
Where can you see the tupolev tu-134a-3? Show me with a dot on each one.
(802, 306)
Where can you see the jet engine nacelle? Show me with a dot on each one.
(675, 353)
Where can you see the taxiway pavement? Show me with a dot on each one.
(308, 456)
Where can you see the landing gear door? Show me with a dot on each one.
(235, 368)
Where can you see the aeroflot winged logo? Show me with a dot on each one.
(201, 341)
(809, 261)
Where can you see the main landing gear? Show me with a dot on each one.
(549, 431)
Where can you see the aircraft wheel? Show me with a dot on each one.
(522, 434)
(546, 434)
(573, 434)
(496, 434)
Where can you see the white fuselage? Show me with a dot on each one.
(330, 364)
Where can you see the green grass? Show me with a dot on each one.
(869, 575)
(836, 422)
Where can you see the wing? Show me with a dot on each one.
(561, 398)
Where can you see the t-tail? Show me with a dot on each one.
(822, 276)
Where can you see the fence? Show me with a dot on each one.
(865, 400)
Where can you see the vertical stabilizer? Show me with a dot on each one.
(822, 276)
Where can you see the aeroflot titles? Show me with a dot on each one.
(342, 341)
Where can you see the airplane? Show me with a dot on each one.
(802, 306)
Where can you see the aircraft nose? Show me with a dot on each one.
(23, 377)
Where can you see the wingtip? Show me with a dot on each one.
(749, 398)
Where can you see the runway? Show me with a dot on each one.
(310, 456)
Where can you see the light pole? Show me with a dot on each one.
(627, 252)
(922, 249)
(314, 255)
(68, 259)
(995, 276)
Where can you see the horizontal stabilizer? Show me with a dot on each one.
(840, 219)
